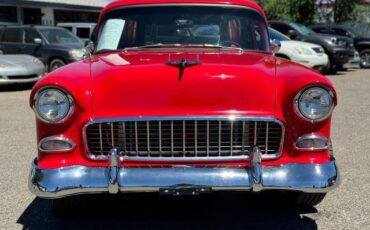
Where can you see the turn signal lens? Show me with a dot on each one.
(51, 144)
(312, 142)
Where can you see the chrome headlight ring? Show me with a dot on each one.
(61, 107)
(326, 96)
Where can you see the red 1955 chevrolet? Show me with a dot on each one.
(183, 97)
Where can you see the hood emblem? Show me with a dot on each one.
(182, 64)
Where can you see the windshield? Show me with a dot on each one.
(301, 28)
(183, 25)
(277, 35)
(60, 36)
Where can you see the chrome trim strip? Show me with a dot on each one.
(75, 180)
(312, 136)
(101, 139)
(58, 138)
(185, 118)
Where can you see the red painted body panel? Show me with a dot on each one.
(141, 84)
(146, 86)
(122, 3)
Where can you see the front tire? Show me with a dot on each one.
(309, 199)
(365, 59)
(55, 64)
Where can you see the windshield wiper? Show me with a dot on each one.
(161, 45)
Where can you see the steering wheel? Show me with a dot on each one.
(230, 43)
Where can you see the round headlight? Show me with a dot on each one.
(315, 103)
(52, 105)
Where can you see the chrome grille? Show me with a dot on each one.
(184, 139)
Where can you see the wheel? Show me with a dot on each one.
(282, 56)
(55, 64)
(67, 205)
(309, 199)
(365, 59)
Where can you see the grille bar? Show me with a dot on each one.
(186, 138)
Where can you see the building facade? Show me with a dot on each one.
(49, 12)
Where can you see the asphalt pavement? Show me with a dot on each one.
(348, 207)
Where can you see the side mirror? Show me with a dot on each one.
(275, 45)
(292, 34)
(37, 41)
(89, 49)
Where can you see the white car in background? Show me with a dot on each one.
(18, 69)
(308, 54)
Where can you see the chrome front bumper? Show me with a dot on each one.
(61, 182)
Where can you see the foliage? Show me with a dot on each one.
(302, 11)
(343, 10)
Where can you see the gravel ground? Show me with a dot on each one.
(348, 207)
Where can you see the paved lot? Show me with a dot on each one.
(348, 207)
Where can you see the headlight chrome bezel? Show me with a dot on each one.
(71, 105)
(299, 95)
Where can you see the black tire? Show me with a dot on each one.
(66, 206)
(309, 199)
(365, 59)
(55, 64)
(282, 56)
(328, 69)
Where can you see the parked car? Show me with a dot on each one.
(307, 54)
(340, 49)
(20, 69)
(362, 43)
(159, 108)
(82, 30)
(54, 46)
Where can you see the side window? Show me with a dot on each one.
(14, 35)
(83, 33)
(2, 30)
(30, 35)
(341, 32)
(281, 28)
(322, 30)
(68, 28)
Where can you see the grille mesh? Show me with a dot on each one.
(183, 138)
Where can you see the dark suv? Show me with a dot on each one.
(54, 46)
(340, 49)
(362, 43)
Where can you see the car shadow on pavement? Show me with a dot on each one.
(16, 87)
(150, 211)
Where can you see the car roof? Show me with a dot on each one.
(34, 26)
(245, 3)
(76, 24)
(279, 21)
(329, 25)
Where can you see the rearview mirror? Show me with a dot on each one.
(37, 41)
(275, 45)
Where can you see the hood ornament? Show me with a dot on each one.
(182, 64)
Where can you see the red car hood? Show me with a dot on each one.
(142, 84)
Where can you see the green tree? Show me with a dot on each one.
(344, 10)
(302, 11)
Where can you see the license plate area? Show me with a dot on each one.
(185, 191)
